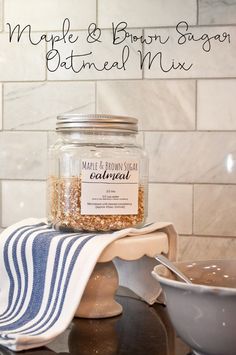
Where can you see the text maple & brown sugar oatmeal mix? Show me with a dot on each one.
(98, 174)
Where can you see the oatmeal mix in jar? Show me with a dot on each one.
(97, 174)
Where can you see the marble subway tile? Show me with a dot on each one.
(52, 137)
(159, 105)
(171, 203)
(49, 15)
(215, 210)
(217, 12)
(23, 155)
(21, 61)
(22, 199)
(192, 157)
(216, 104)
(23, 109)
(140, 139)
(146, 14)
(179, 57)
(206, 248)
(121, 61)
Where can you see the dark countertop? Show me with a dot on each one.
(140, 330)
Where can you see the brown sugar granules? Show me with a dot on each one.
(65, 209)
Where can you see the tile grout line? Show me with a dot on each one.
(196, 105)
(143, 74)
(161, 131)
(3, 107)
(150, 182)
(97, 12)
(192, 183)
(193, 209)
(118, 79)
(184, 235)
(3, 15)
(46, 71)
(96, 97)
(24, 179)
(197, 12)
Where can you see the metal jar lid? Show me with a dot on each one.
(96, 122)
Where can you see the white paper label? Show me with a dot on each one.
(109, 187)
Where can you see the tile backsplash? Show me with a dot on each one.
(22, 199)
(146, 13)
(217, 12)
(48, 15)
(23, 109)
(212, 58)
(21, 62)
(148, 100)
(187, 118)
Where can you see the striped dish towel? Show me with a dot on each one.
(43, 275)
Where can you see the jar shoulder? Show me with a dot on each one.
(62, 147)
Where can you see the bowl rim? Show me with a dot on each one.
(197, 287)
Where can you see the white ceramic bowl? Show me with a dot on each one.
(203, 313)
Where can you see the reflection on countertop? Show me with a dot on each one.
(140, 330)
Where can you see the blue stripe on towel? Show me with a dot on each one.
(24, 261)
(21, 231)
(38, 296)
(11, 314)
(53, 278)
(40, 249)
(52, 318)
(72, 264)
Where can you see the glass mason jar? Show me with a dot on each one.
(98, 174)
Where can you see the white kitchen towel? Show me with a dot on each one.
(43, 275)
